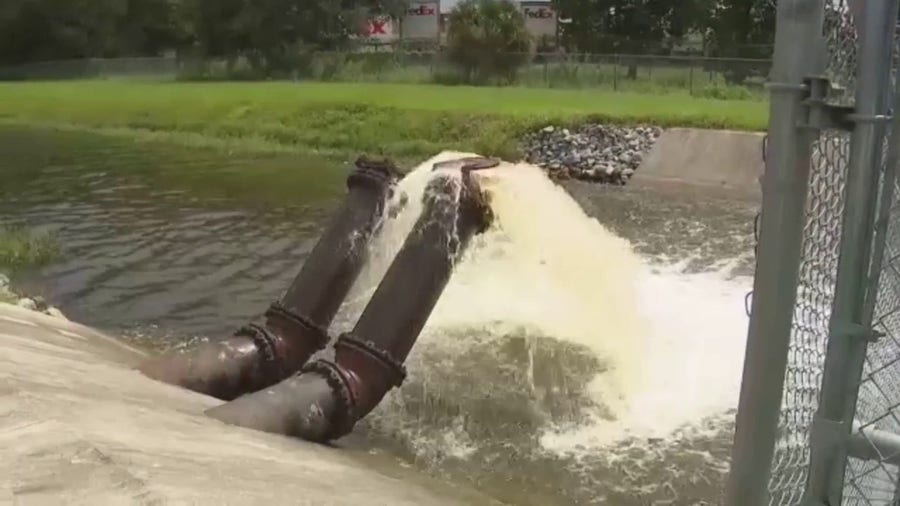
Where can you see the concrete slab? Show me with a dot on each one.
(721, 162)
(79, 426)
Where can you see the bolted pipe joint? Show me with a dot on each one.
(327, 398)
(295, 328)
(256, 356)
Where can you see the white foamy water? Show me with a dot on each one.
(691, 364)
(672, 343)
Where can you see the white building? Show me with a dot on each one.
(426, 20)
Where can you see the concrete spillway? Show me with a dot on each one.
(79, 426)
(706, 162)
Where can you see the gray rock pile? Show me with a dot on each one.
(30, 303)
(592, 152)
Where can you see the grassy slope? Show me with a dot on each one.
(406, 121)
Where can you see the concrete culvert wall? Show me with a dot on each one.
(708, 160)
(79, 426)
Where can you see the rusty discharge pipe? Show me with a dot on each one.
(327, 398)
(258, 356)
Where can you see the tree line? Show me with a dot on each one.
(727, 28)
(270, 31)
(274, 35)
(266, 31)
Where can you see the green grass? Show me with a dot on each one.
(406, 121)
(21, 249)
(580, 72)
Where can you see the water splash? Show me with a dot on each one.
(690, 369)
(555, 337)
(535, 267)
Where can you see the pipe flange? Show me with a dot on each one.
(264, 341)
(343, 420)
(376, 174)
(384, 357)
(468, 164)
(306, 325)
(480, 164)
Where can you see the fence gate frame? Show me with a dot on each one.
(800, 110)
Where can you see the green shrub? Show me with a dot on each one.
(487, 41)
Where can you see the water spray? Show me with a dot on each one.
(327, 397)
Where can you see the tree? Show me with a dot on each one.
(148, 27)
(41, 30)
(487, 40)
(631, 26)
(743, 28)
(269, 33)
(275, 36)
(35, 30)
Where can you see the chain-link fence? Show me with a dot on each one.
(818, 268)
(147, 67)
(872, 475)
(818, 271)
(819, 421)
(708, 77)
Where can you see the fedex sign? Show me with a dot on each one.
(538, 13)
(422, 10)
(540, 18)
(422, 20)
(375, 27)
(379, 28)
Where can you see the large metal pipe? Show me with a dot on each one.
(295, 327)
(326, 400)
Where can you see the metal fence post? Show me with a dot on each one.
(886, 196)
(691, 79)
(615, 72)
(798, 27)
(849, 333)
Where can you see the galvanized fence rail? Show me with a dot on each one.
(819, 415)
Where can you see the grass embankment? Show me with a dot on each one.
(400, 120)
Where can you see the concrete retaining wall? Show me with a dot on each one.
(706, 161)
(79, 426)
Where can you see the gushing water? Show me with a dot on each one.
(555, 337)
(534, 268)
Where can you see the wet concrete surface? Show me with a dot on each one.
(78, 425)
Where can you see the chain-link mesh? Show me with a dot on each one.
(872, 481)
(818, 269)
(812, 312)
(875, 482)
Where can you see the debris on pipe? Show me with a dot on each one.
(296, 327)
